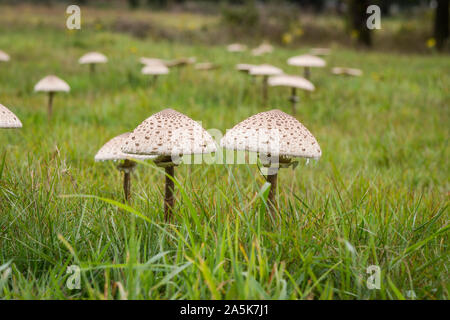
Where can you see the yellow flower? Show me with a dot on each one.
(133, 49)
(98, 26)
(355, 34)
(286, 38)
(431, 43)
(298, 31)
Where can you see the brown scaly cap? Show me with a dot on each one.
(8, 119)
(112, 150)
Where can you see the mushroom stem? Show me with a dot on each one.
(50, 104)
(127, 167)
(264, 89)
(92, 68)
(294, 100)
(307, 73)
(168, 197)
(272, 202)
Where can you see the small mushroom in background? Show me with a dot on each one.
(245, 67)
(92, 58)
(320, 51)
(307, 61)
(169, 135)
(265, 70)
(236, 47)
(112, 151)
(152, 61)
(347, 71)
(4, 57)
(205, 66)
(293, 82)
(181, 62)
(278, 138)
(8, 120)
(51, 84)
(155, 70)
(262, 49)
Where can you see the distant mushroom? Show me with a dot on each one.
(4, 57)
(262, 49)
(155, 70)
(205, 66)
(51, 84)
(112, 151)
(180, 62)
(278, 138)
(245, 67)
(347, 71)
(307, 61)
(236, 47)
(320, 51)
(8, 120)
(92, 58)
(294, 82)
(265, 70)
(168, 134)
(152, 61)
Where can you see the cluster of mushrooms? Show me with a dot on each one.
(168, 135)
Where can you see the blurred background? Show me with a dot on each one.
(420, 26)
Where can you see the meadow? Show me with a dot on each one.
(378, 195)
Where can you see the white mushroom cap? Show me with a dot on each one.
(181, 62)
(347, 71)
(52, 84)
(4, 56)
(245, 67)
(306, 60)
(291, 81)
(273, 132)
(155, 69)
(8, 119)
(320, 51)
(112, 150)
(236, 47)
(93, 57)
(152, 61)
(206, 66)
(265, 70)
(168, 133)
(262, 49)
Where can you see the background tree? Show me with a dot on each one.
(441, 31)
(357, 20)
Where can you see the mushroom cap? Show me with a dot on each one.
(273, 132)
(245, 67)
(291, 81)
(51, 84)
(168, 133)
(152, 61)
(4, 56)
(306, 60)
(262, 49)
(265, 70)
(206, 66)
(8, 119)
(181, 62)
(112, 150)
(347, 71)
(320, 51)
(155, 69)
(236, 47)
(93, 57)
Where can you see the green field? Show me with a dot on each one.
(378, 196)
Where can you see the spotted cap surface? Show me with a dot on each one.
(291, 81)
(155, 69)
(265, 70)
(4, 56)
(52, 84)
(93, 57)
(112, 150)
(306, 60)
(168, 133)
(273, 132)
(8, 119)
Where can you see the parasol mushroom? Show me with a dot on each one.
(347, 71)
(93, 58)
(293, 82)
(265, 70)
(236, 47)
(307, 61)
(169, 135)
(8, 120)
(155, 70)
(278, 138)
(4, 57)
(51, 84)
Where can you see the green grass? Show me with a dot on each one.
(378, 196)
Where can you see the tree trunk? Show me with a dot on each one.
(358, 19)
(441, 19)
